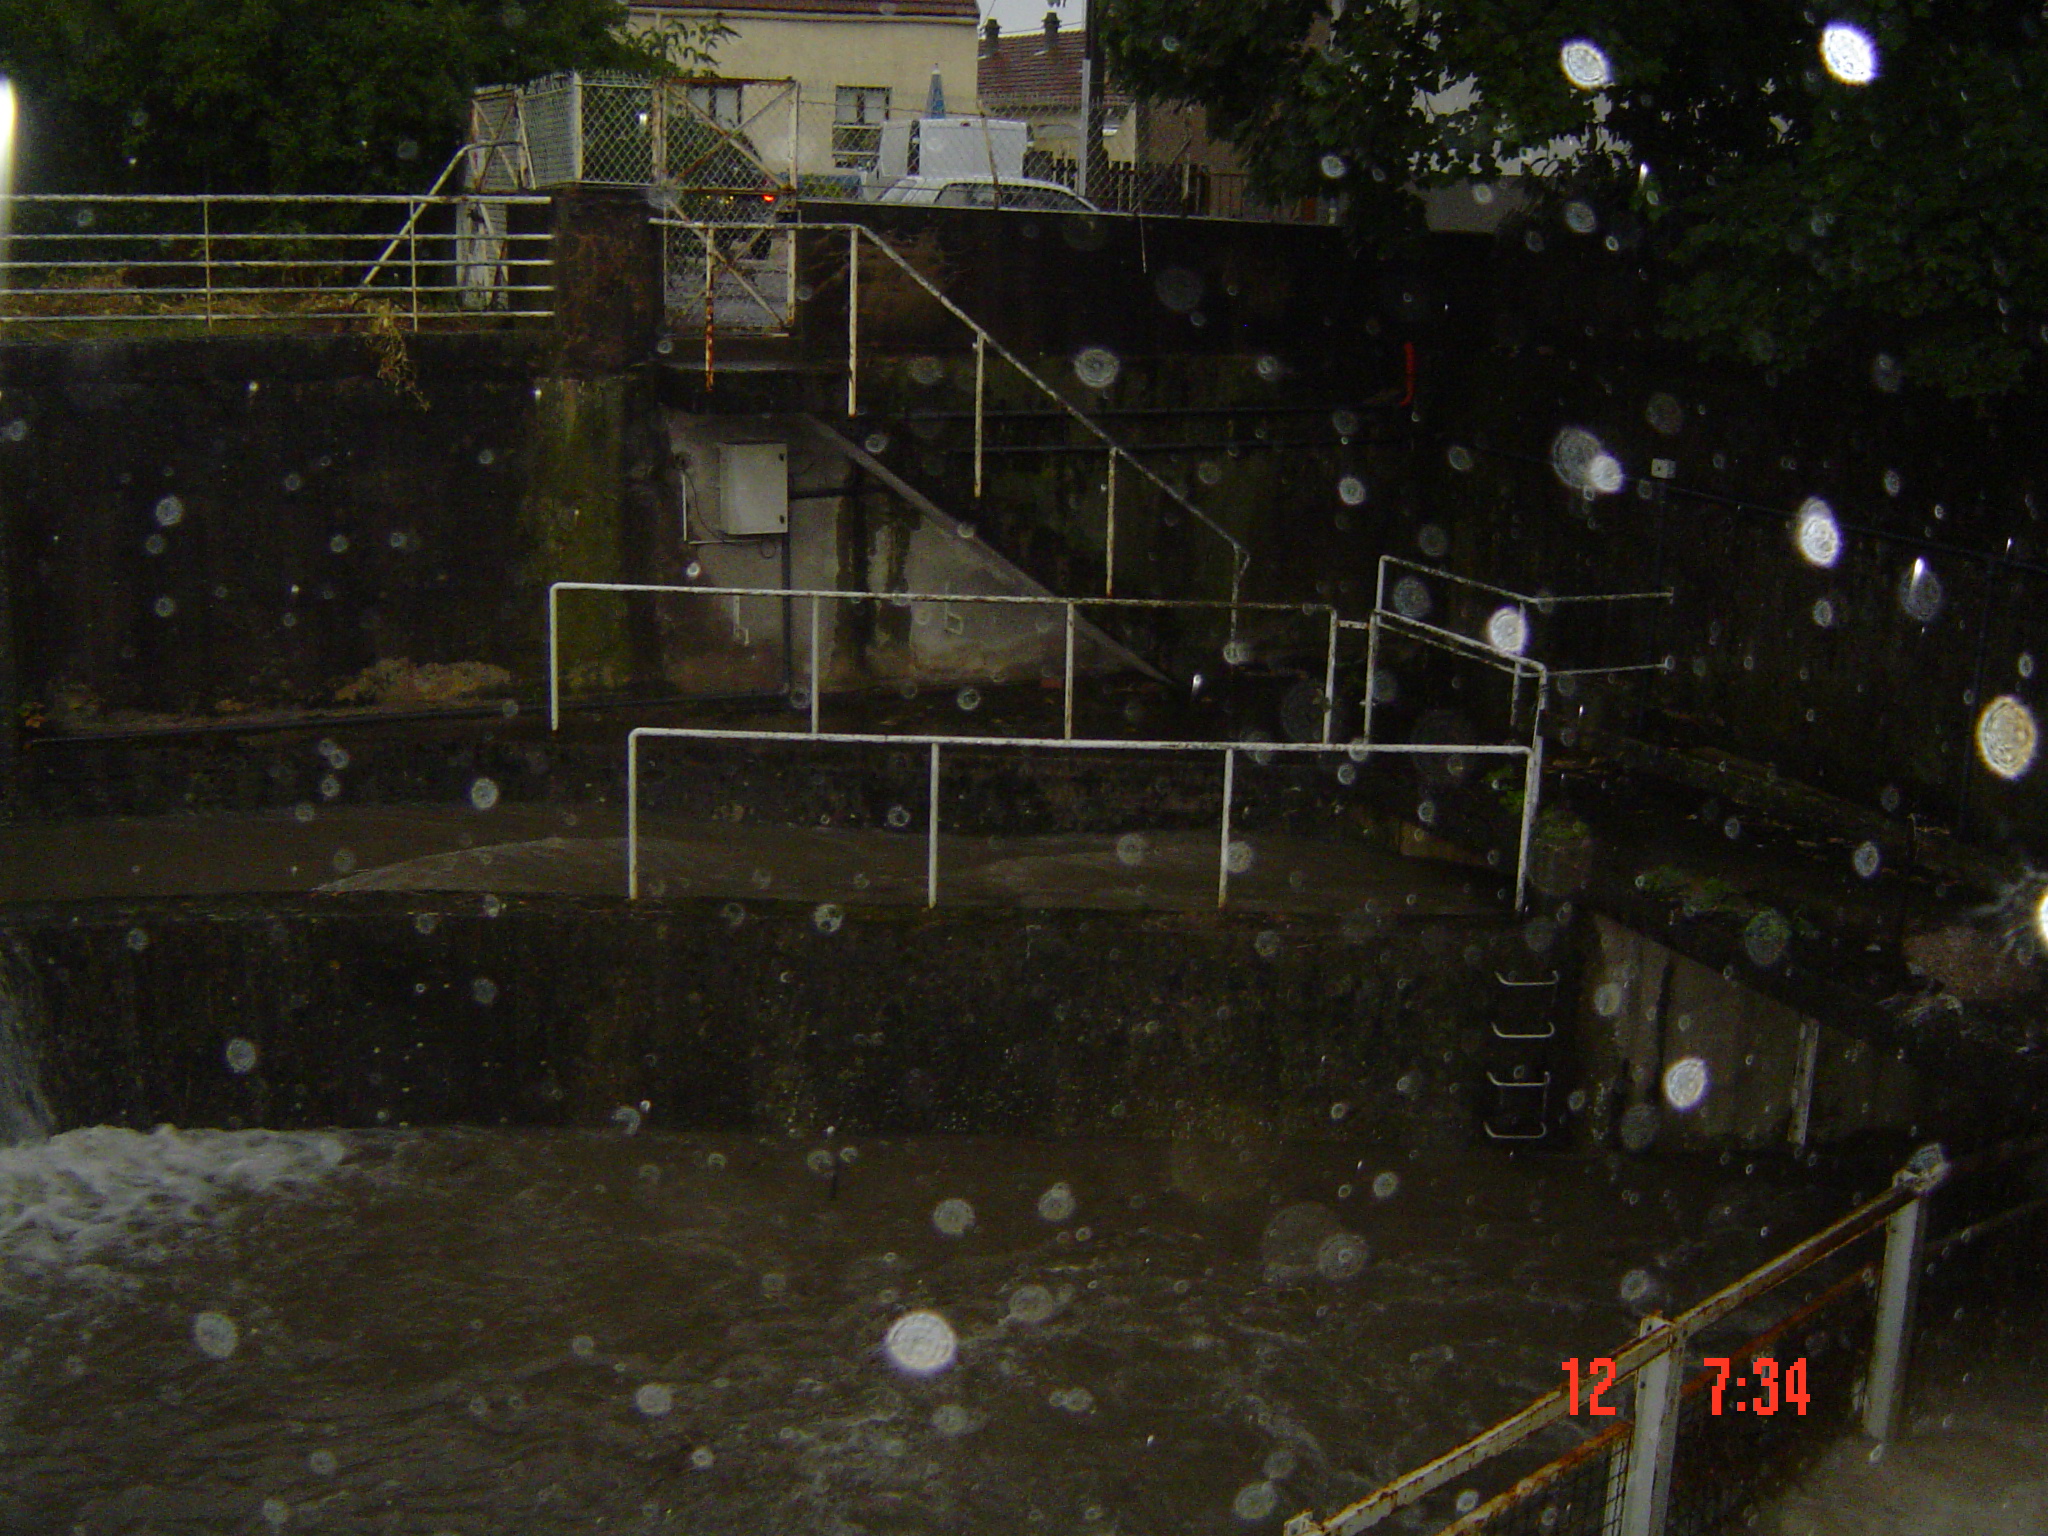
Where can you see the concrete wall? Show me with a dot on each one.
(387, 1010)
(1645, 1009)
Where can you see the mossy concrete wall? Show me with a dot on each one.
(425, 1010)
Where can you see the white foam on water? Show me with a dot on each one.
(102, 1193)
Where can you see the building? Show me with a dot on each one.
(1035, 78)
(857, 63)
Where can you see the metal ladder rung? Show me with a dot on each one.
(1542, 1085)
(1548, 1032)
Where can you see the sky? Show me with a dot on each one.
(1029, 15)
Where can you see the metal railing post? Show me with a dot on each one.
(1372, 677)
(1223, 852)
(633, 815)
(980, 388)
(1653, 1440)
(554, 660)
(853, 322)
(1067, 693)
(1803, 1076)
(1330, 683)
(412, 221)
(206, 254)
(1897, 1287)
(814, 665)
(1532, 787)
(1109, 533)
(931, 836)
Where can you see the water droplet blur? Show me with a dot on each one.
(241, 1056)
(2007, 737)
(1886, 374)
(1765, 938)
(1179, 289)
(827, 916)
(1238, 858)
(276, 1513)
(1351, 491)
(1467, 1500)
(1867, 860)
(1582, 462)
(1579, 217)
(1848, 53)
(1920, 592)
(1607, 999)
(1665, 414)
(1585, 64)
(1507, 631)
(969, 699)
(926, 371)
(1269, 368)
(1816, 534)
(953, 1217)
(1459, 457)
(170, 512)
(164, 607)
(1824, 612)
(1097, 367)
(1255, 1501)
(898, 817)
(1433, 541)
(1237, 652)
(1639, 1127)
(483, 793)
(1131, 849)
(1386, 1185)
(1267, 944)
(654, 1400)
(1411, 598)
(1057, 1203)
(876, 442)
(1333, 167)
(216, 1334)
(1344, 423)
(1685, 1082)
(921, 1343)
(323, 1463)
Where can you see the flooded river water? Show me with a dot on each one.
(635, 1330)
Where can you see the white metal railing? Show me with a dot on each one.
(1643, 1448)
(711, 242)
(1487, 652)
(1356, 751)
(819, 596)
(235, 259)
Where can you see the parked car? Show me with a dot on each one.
(984, 192)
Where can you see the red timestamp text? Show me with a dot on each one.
(1763, 1389)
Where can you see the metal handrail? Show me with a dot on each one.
(330, 270)
(822, 594)
(1659, 1351)
(412, 219)
(1357, 751)
(985, 340)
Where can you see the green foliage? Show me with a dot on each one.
(288, 95)
(1792, 215)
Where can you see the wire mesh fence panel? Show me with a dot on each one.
(736, 281)
(1769, 1421)
(548, 110)
(497, 142)
(1571, 1496)
(617, 130)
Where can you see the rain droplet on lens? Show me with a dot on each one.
(241, 1056)
(827, 916)
(953, 1218)
(1057, 1203)
(1351, 491)
(216, 1334)
(1585, 64)
(1097, 367)
(921, 1343)
(483, 793)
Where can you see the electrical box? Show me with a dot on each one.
(969, 148)
(753, 489)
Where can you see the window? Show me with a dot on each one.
(858, 113)
(720, 103)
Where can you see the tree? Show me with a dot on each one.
(288, 95)
(1790, 212)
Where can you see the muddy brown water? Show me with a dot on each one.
(466, 1331)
